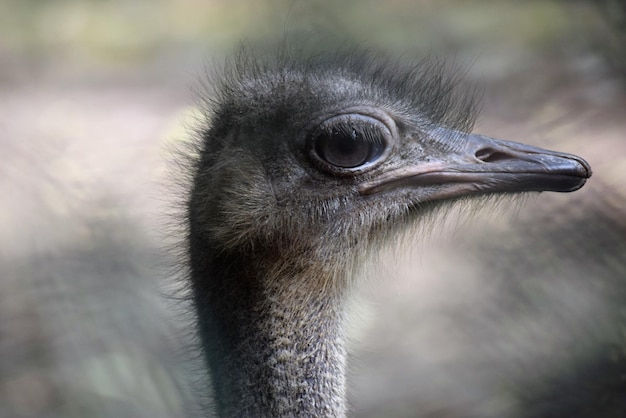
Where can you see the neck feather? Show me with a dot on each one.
(274, 342)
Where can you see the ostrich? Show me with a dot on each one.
(305, 168)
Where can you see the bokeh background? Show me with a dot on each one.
(518, 312)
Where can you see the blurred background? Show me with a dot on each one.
(519, 312)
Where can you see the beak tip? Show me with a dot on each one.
(588, 172)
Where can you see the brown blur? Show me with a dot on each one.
(518, 312)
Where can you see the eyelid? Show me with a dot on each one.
(370, 131)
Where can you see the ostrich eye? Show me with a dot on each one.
(350, 142)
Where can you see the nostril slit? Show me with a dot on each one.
(489, 155)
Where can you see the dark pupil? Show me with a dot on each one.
(343, 149)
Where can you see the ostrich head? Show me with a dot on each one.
(303, 165)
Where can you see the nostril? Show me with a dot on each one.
(489, 155)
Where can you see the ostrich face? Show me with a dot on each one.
(335, 152)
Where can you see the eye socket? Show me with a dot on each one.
(349, 142)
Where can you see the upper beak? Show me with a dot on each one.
(487, 165)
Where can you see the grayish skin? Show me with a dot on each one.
(276, 232)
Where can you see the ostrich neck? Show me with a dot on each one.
(274, 343)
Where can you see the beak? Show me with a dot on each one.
(487, 165)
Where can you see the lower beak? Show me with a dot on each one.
(488, 165)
